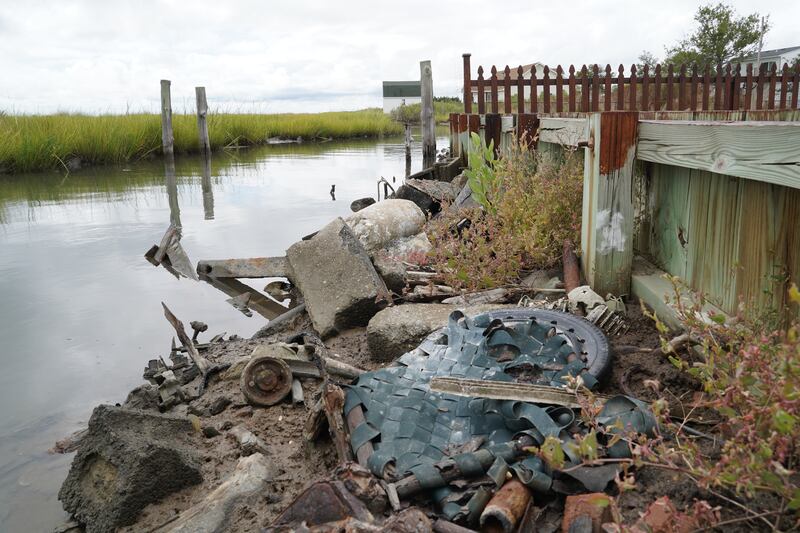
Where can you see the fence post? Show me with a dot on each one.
(202, 123)
(426, 114)
(467, 85)
(167, 141)
(607, 226)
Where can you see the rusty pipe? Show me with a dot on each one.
(572, 274)
(506, 508)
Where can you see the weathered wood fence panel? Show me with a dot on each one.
(595, 88)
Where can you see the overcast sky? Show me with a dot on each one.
(297, 55)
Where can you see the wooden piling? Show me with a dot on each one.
(202, 123)
(426, 114)
(167, 140)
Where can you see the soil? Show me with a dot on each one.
(299, 463)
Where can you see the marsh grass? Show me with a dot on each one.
(42, 142)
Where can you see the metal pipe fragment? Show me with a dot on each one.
(506, 507)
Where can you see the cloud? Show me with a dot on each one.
(99, 56)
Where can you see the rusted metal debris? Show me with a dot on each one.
(506, 507)
(322, 503)
(170, 254)
(266, 381)
(586, 513)
(572, 274)
(300, 362)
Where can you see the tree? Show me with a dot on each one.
(646, 58)
(721, 36)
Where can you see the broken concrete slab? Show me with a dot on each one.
(399, 329)
(338, 281)
(389, 262)
(214, 512)
(128, 459)
(379, 224)
(361, 203)
(248, 442)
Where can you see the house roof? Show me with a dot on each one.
(775, 52)
(401, 89)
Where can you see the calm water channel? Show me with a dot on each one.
(80, 310)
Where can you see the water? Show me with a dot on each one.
(80, 308)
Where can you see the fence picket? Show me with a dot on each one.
(693, 89)
(495, 104)
(534, 91)
(467, 84)
(621, 88)
(773, 77)
(748, 87)
(607, 89)
(657, 90)
(520, 91)
(718, 96)
(481, 93)
(559, 89)
(682, 89)
(728, 87)
(784, 86)
(760, 86)
(595, 103)
(572, 88)
(584, 89)
(633, 104)
(737, 87)
(546, 90)
(507, 91)
(670, 88)
(645, 88)
(795, 85)
(706, 86)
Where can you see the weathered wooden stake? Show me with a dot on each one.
(202, 123)
(167, 140)
(426, 114)
(607, 227)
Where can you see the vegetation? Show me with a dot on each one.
(442, 107)
(40, 142)
(720, 36)
(530, 203)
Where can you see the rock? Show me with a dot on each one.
(248, 442)
(363, 485)
(361, 203)
(422, 200)
(389, 261)
(392, 271)
(336, 277)
(129, 459)
(379, 224)
(399, 329)
(236, 368)
(411, 520)
(219, 405)
(464, 199)
(214, 512)
(210, 432)
(143, 397)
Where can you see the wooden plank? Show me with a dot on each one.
(784, 86)
(706, 87)
(534, 91)
(621, 88)
(481, 92)
(494, 128)
(546, 90)
(595, 103)
(562, 131)
(718, 96)
(254, 267)
(668, 204)
(258, 302)
(693, 89)
(584, 89)
(572, 88)
(773, 75)
(762, 151)
(167, 139)
(499, 390)
(559, 89)
(670, 86)
(607, 224)
(795, 86)
(507, 91)
(727, 88)
(467, 84)
(427, 117)
(646, 88)
(520, 91)
(748, 87)
(202, 123)
(760, 86)
(682, 89)
(633, 106)
(494, 93)
(607, 98)
(657, 89)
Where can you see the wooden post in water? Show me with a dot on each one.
(167, 140)
(202, 123)
(408, 149)
(426, 115)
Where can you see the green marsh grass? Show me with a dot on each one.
(43, 142)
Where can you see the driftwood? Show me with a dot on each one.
(354, 419)
(170, 254)
(333, 405)
(201, 362)
(257, 301)
(499, 390)
(492, 296)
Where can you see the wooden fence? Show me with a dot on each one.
(594, 88)
(712, 197)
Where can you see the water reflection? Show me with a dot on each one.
(81, 313)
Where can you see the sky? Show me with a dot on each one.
(107, 56)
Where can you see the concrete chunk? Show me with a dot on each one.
(338, 281)
(128, 459)
(379, 224)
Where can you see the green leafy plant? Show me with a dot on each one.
(481, 176)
